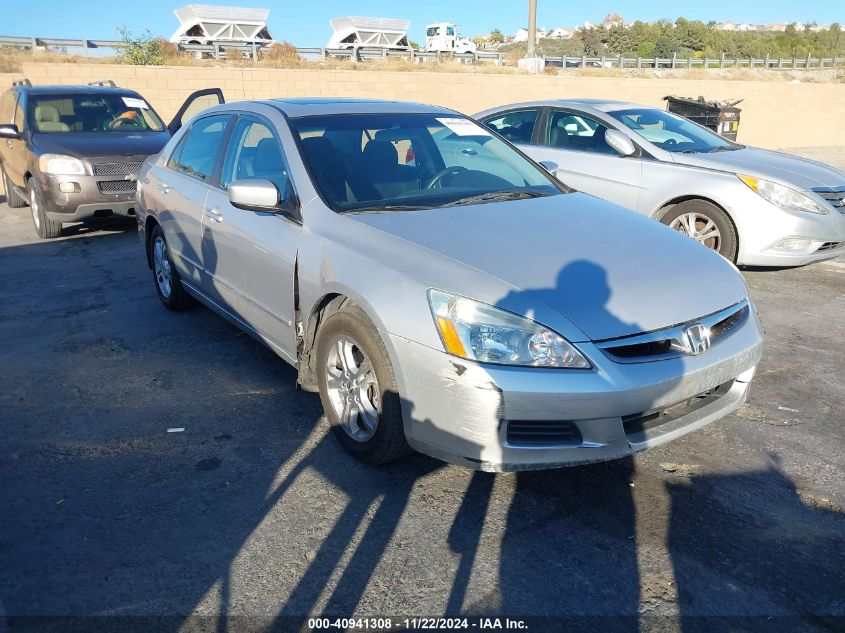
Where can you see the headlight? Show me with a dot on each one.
(62, 165)
(480, 332)
(782, 196)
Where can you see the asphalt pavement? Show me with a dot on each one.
(162, 465)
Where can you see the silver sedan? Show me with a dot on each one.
(442, 292)
(754, 206)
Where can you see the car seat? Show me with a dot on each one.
(47, 119)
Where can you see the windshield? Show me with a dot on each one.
(92, 113)
(393, 162)
(671, 132)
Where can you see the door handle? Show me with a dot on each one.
(163, 188)
(214, 214)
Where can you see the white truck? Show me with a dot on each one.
(355, 32)
(222, 26)
(444, 37)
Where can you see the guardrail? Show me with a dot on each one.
(363, 54)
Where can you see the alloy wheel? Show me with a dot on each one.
(700, 228)
(161, 264)
(352, 388)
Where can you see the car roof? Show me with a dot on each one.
(297, 107)
(76, 90)
(602, 105)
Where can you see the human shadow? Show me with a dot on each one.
(569, 551)
(750, 554)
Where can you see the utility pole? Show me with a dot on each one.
(532, 27)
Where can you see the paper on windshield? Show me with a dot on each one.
(132, 102)
(463, 127)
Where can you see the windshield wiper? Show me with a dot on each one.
(723, 148)
(508, 194)
(388, 208)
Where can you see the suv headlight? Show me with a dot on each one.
(782, 196)
(480, 332)
(61, 165)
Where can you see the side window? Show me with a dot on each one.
(19, 115)
(254, 153)
(198, 150)
(516, 126)
(568, 130)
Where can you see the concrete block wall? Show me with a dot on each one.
(776, 114)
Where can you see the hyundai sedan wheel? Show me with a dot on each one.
(705, 223)
(165, 276)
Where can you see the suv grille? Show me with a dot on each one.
(117, 169)
(117, 186)
(543, 433)
(834, 195)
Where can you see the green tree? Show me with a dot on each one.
(496, 37)
(145, 50)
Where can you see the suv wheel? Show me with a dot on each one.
(706, 223)
(44, 226)
(358, 387)
(13, 198)
(165, 276)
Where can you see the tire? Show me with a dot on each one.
(166, 278)
(350, 329)
(13, 198)
(698, 215)
(44, 226)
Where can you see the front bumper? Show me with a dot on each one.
(88, 202)
(463, 412)
(762, 225)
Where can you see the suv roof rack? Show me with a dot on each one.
(103, 82)
(22, 82)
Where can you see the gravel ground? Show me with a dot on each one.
(254, 517)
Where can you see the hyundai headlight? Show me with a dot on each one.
(477, 331)
(782, 196)
(61, 165)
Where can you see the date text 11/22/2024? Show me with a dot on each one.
(415, 624)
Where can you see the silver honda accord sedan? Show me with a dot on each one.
(754, 206)
(440, 290)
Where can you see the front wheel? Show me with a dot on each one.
(358, 387)
(165, 276)
(44, 226)
(706, 223)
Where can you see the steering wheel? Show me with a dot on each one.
(439, 176)
(120, 122)
(670, 142)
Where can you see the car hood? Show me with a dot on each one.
(609, 271)
(87, 144)
(762, 163)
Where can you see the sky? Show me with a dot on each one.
(306, 23)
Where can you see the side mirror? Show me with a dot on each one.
(549, 165)
(260, 195)
(620, 143)
(10, 131)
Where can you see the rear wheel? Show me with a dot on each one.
(165, 276)
(358, 387)
(44, 226)
(13, 198)
(706, 223)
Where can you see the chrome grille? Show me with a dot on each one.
(670, 342)
(117, 186)
(834, 195)
(829, 246)
(117, 169)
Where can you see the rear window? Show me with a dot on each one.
(100, 113)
